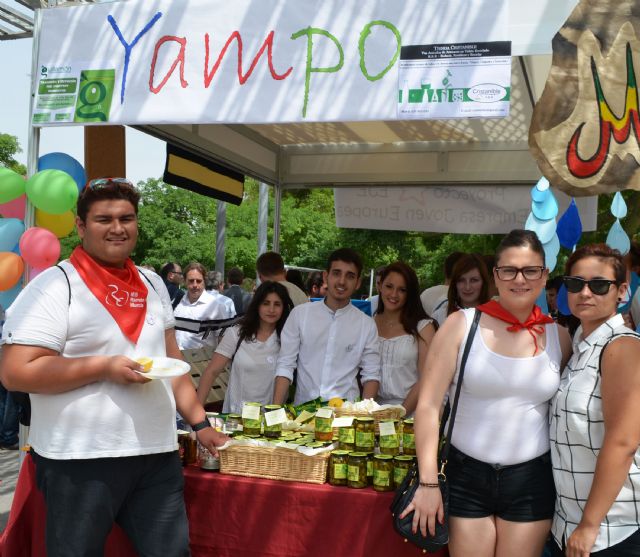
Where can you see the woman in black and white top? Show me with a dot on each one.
(595, 416)
(252, 347)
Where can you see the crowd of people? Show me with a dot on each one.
(546, 433)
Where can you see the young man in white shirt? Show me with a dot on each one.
(330, 341)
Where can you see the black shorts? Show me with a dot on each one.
(519, 493)
(626, 548)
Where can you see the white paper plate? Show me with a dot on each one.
(166, 368)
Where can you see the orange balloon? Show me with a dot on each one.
(11, 269)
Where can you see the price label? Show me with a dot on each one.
(324, 413)
(250, 412)
(275, 417)
(344, 421)
(387, 428)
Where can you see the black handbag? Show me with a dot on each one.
(407, 489)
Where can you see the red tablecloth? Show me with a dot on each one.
(231, 516)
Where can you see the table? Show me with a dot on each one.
(232, 516)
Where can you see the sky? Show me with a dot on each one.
(145, 154)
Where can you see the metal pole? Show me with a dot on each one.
(221, 229)
(276, 218)
(263, 218)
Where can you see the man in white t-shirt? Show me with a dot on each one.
(270, 266)
(103, 434)
(330, 342)
(214, 283)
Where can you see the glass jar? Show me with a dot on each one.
(338, 467)
(233, 423)
(408, 437)
(401, 465)
(323, 429)
(252, 426)
(357, 470)
(272, 431)
(370, 467)
(347, 438)
(206, 460)
(389, 441)
(383, 472)
(365, 434)
(189, 448)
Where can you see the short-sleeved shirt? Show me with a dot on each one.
(101, 419)
(207, 306)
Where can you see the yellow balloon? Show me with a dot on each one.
(61, 225)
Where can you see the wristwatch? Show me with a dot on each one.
(201, 425)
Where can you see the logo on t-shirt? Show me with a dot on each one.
(116, 297)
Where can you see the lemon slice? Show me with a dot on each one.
(146, 364)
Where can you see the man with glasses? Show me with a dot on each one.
(103, 435)
(173, 278)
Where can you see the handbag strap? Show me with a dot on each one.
(444, 455)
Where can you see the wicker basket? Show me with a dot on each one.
(274, 463)
(377, 415)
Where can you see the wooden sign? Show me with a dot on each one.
(585, 129)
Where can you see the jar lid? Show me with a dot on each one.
(408, 421)
(252, 404)
(404, 458)
(358, 455)
(364, 419)
(383, 457)
(234, 416)
(272, 406)
(340, 452)
(212, 414)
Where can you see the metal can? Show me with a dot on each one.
(383, 472)
(338, 467)
(357, 470)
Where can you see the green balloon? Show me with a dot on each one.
(11, 185)
(52, 191)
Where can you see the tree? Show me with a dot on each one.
(10, 146)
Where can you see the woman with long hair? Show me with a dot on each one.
(252, 347)
(595, 416)
(499, 468)
(469, 286)
(405, 332)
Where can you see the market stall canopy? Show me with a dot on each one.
(320, 109)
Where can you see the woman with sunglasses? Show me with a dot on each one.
(469, 286)
(499, 470)
(405, 332)
(595, 416)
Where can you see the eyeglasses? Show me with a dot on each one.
(177, 273)
(598, 286)
(510, 273)
(101, 183)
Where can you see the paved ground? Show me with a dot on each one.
(8, 475)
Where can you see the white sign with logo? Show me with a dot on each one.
(456, 209)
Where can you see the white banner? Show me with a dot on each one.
(246, 61)
(454, 209)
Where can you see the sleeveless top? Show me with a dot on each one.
(577, 434)
(503, 409)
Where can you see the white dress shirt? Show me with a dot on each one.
(226, 302)
(204, 308)
(328, 348)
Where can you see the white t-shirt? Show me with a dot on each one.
(399, 366)
(227, 303)
(102, 419)
(253, 370)
(204, 308)
(431, 297)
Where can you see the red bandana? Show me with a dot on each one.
(534, 323)
(120, 291)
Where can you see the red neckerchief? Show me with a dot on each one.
(534, 323)
(120, 291)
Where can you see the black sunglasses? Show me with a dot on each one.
(598, 286)
(101, 183)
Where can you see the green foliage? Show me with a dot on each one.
(9, 146)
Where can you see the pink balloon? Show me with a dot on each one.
(39, 247)
(14, 209)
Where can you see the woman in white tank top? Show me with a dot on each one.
(499, 471)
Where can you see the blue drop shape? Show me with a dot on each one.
(569, 227)
(562, 301)
(539, 196)
(546, 210)
(545, 229)
(542, 301)
(618, 206)
(618, 239)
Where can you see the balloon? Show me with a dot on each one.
(570, 226)
(10, 232)
(618, 206)
(52, 191)
(11, 185)
(14, 209)
(39, 247)
(61, 225)
(618, 239)
(545, 229)
(11, 269)
(8, 296)
(66, 163)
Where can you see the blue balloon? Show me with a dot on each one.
(66, 163)
(8, 296)
(10, 232)
(562, 301)
(569, 228)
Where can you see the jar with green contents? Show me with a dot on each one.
(323, 421)
(408, 437)
(272, 431)
(347, 438)
(357, 470)
(365, 434)
(401, 465)
(233, 423)
(383, 472)
(252, 426)
(338, 467)
(370, 467)
(389, 441)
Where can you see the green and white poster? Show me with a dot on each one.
(466, 80)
